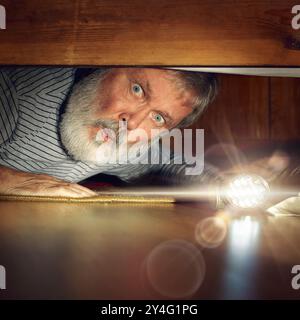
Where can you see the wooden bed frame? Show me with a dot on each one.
(165, 32)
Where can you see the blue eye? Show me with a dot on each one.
(158, 118)
(137, 90)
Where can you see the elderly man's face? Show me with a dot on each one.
(143, 98)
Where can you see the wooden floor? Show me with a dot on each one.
(100, 251)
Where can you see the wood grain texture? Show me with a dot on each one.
(285, 111)
(165, 32)
(77, 251)
(240, 112)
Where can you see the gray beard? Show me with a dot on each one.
(78, 118)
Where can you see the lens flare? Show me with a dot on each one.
(247, 191)
(211, 232)
(175, 269)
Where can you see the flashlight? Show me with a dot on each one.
(246, 191)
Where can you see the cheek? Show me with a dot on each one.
(137, 135)
(144, 133)
(111, 106)
(113, 97)
(104, 105)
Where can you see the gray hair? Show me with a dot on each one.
(204, 87)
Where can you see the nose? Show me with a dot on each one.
(124, 117)
(133, 120)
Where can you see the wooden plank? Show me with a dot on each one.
(102, 252)
(285, 115)
(165, 32)
(240, 112)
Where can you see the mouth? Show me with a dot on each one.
(104, 135)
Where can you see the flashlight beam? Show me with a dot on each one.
(178, 194)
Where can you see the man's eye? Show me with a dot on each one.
(158, 118)
(137, 90)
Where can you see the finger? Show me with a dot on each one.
(81, 193)
(50, 190)
(46, 192)
(64, 192)
(84, 190)
(80, 190)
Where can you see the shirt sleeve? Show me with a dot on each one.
(8, 105)
(24, 90)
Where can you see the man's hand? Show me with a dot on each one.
(22, 183)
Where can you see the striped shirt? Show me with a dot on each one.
(30, 106)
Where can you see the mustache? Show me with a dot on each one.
(119, 128)
(107, 123)
(112, 125)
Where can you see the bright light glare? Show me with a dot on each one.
(247, 191)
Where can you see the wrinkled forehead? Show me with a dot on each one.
(161, 81)
(155, 74)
